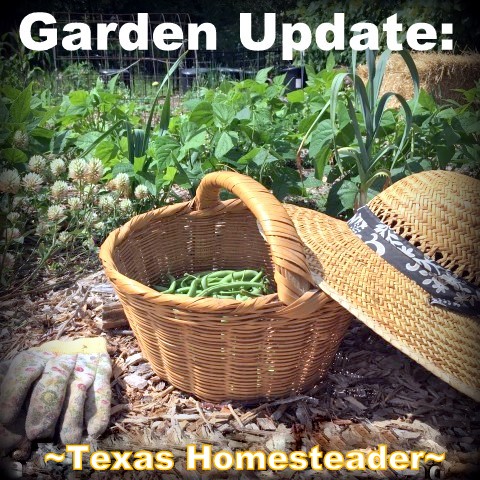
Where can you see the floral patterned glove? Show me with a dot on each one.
(71, 388)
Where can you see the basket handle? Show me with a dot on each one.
(292, 275)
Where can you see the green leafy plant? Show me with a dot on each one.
(447, 135)
(138, 161)
(23, 124)
(368, 140)
(250, 126)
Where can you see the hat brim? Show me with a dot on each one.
(392, 305)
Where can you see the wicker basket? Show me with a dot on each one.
(266, 347)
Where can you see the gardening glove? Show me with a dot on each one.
(71, 388)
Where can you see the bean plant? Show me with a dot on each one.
(73, 168)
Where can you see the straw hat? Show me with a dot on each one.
(414, 275)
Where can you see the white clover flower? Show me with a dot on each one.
(55, 213)
(77, 170)
(90, 217)
(59, 189)
(74, 203)
(94, 170)
(12, 217)
(42, 229)
(11, 235)
(32, 182)
(125, 205)
(141, 192)
(37, 164)
(57, 167)
(7, 260)
(106, 203)
(122, 183)
(9, 181)
(20, 140)
(99, 226)
(64, 237)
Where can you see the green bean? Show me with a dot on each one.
(183, 289)
(186, 280)
(171, 288)
(258, 276)
(220, 273)
(216, 288)
(160, 288)
(245, 274)
(193, 288)
(222, 284)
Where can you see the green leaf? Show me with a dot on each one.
(426, 101)
(449, 136)
(40, 132)
(165, 115)
(248, 157)
(165, 81)
(341, 197)
(297, 96)
(14, 155)
(224, 145)
(106, 151)
(447, 113)
(445, 154)
(10, 92)
(202, 114)
(123, 167)
(285, 181)
(407, 58)
(170, 174)
(148, 181)
(139, 143)
(3, 112)
(20, 108)
(264, 157)
(223, 114)
(262, 75)
(139, 164)
(78, 98)
(380, 72)
(85, 141)
(321, 136)
(195, 141)
(112, 83)
(60, 141)
(102, 137)
(244, 114)
(321, 160)
(330, 65)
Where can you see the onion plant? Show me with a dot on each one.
(373, 157)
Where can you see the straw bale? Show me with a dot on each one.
(440, 74)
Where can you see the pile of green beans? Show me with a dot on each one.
(231, 284)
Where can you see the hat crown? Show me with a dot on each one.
(439, 213)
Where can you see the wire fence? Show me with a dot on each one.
(139, 69)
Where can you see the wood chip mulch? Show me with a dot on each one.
(372, 394)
